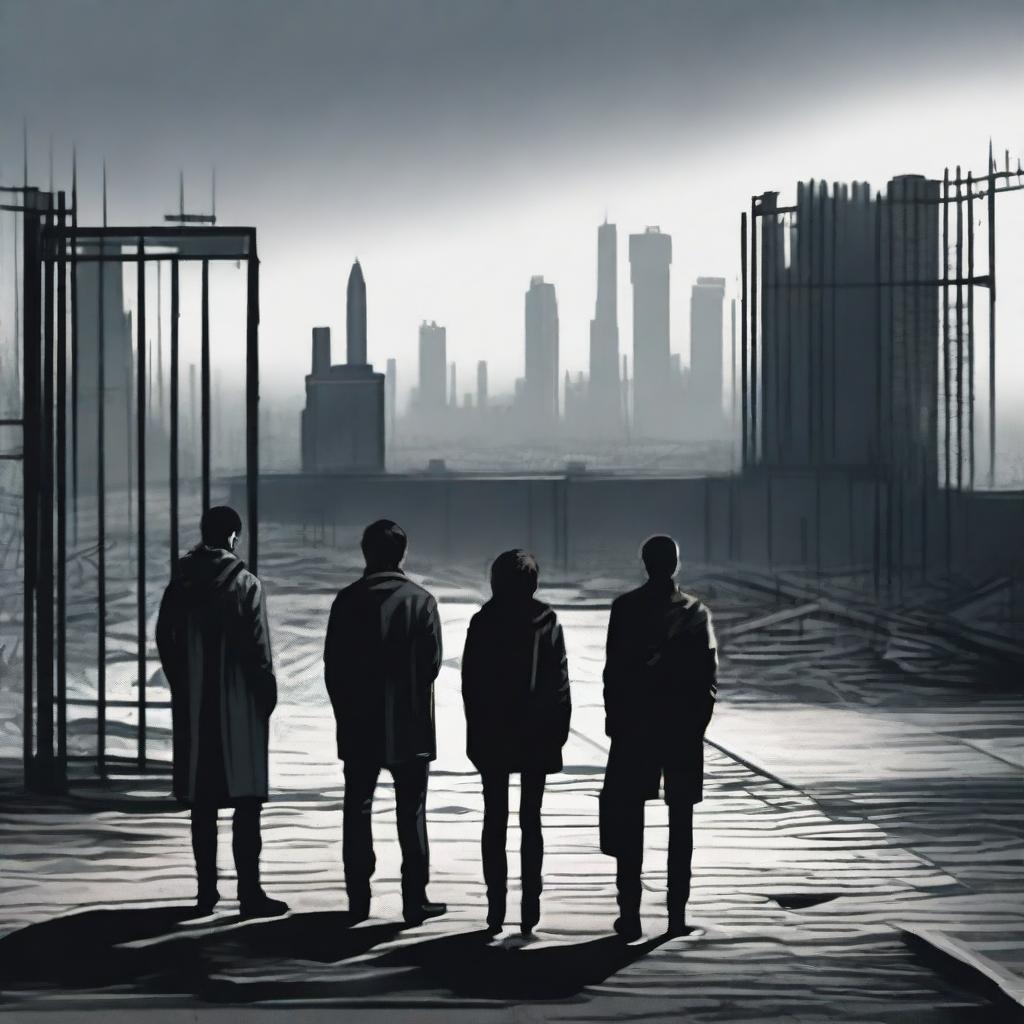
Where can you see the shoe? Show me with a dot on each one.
(628, 927)
(261, 905)
(530, 914)
(205, 903)
(358, 909)
(495, 914)
(417, 913)
(677, 925)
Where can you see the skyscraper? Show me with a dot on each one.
(343, 421)
(481, 384)
(604, 402)
(704, 395)
(650, 255)
(433, 386)
(541, 382)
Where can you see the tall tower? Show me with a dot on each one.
(541, 386)
(481, 384)
(650, 256)
(356, 317)
(705, 391)
(432, 396)
(604, 337)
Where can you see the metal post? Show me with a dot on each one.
(30, 457)
(101, 528)
(252, 398)
(970, 330)
(947, 432)
(173, 478)
(44, 586)
(753, 329)
(743, 340)
(61, 479)
(959, 335)
(732, 380)
(991, 206)
(204, 384)
(877, 445)
(141, 411)
(74, 349)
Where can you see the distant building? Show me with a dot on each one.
(650, 256)
(704, 397)
(540, 392)
(605, 405)
(432, 392)
(481, 384)
(453, 395)
(391, 398)
(343, 421)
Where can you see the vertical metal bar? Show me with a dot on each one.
(204, 384)
(44, 591)
(173, 477)
(101, 519)
(252, 399)
(743, 340)
(970, 330)
(74, 350)
(30, 456)
(807, 274)
(835, 313)
(959, 334)
(732, 379)
(753, 330)
(876, 446)
(890, 532)
(141, 417)
(947, 432)
(61, 478)
(991, 208)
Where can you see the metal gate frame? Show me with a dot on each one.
(53, 247)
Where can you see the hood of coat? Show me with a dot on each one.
(207, 570)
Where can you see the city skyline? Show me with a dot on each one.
(549, 120)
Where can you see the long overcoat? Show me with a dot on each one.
(381, 657)
(515, 687)
(660, 683)
(214, 642)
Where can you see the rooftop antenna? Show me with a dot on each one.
(181, 217)
(74, 178)
(213, 193)
(104, 193)
(24, 148)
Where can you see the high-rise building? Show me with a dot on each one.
(343, 421)
(391, 398)
(481, 384)
(605, 406)
(541, 387)
(650, 256)
(432, 394)
(704, 394)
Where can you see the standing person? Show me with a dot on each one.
(382, 655)
(214, 644)
(660, 683)
(515, 686)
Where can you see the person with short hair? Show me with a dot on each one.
(660, 684)
(381, 657)
(515, 687)
(214, 641)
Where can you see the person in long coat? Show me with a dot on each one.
(381, 657)
(214, 642)
(660, 684)
(515, 687)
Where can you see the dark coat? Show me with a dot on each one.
(214, 643)
(382, 655)
(515, 686)
(660, 683)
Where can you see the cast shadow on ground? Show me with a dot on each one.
(290, 958)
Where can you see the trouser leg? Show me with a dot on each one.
(247, 844)
(495, 834)
(630, 861)
(680, 856)
(411, 812)
(531, 797)
(204, 848)
(357, 831)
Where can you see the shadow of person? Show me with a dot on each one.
(80, 949)
(470, 965)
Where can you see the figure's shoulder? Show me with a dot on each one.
(630, 600)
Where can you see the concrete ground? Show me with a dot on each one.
(858, 854)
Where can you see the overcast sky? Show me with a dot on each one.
(459, 148)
